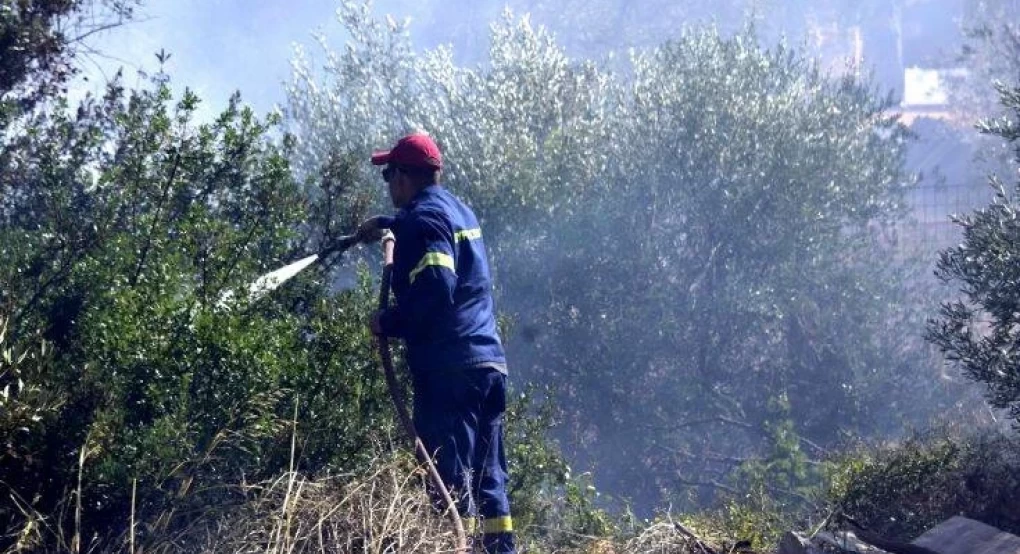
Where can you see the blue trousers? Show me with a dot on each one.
(459, 417)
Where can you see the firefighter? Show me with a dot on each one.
(444, 314)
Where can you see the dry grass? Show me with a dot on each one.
(384, 511)
(671, 537)
(664, 536)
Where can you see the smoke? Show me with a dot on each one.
(663, 253)
(702, 246)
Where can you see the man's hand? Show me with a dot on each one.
(369, 230)
(374, 324)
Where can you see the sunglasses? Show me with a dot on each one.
(389, 172)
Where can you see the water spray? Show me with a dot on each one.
(272, 280)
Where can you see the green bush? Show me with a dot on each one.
(902, 490)
(124, 225)
(130, 387)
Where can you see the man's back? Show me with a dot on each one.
(443, 285)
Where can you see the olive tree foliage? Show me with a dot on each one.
(978, 332)
(695, 250)
(377, 88)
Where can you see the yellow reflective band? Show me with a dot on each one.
(432, 258)
(470, 525)
(502, 524)
(467, 234)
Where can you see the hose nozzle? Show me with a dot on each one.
(340, 245)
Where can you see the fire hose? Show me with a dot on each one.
(422, 453)
(274, 279)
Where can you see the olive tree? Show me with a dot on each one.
(695, 246)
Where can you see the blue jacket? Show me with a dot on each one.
(444, 309)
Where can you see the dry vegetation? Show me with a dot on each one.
(385, 510)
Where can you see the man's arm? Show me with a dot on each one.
(433, 278)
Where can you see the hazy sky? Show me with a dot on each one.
(218, 46)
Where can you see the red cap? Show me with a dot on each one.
(412, 151)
